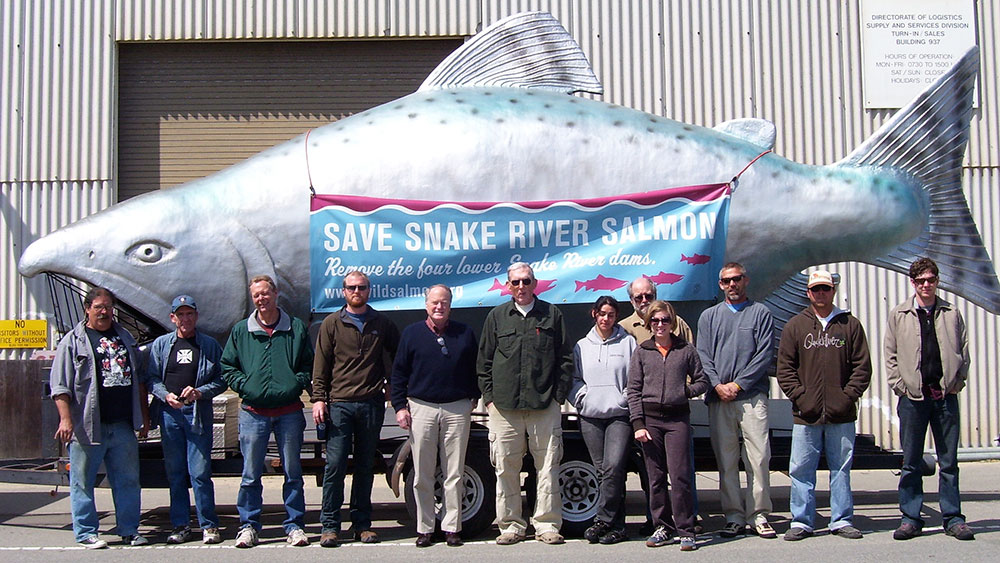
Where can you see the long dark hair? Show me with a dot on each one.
(605, 300)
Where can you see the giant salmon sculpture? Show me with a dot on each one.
(496, 121)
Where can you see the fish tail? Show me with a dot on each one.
(927, 139)
(580, 285)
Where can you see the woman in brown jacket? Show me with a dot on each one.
(658, 393)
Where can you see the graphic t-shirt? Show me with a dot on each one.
(182, 365)
(114, 376)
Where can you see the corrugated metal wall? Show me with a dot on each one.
(701, 61)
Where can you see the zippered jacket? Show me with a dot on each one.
(902, 349)
(824, 372)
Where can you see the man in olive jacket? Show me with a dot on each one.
(267, 362)
(525, 366)
(823, 367)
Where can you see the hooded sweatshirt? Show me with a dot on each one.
(824, 371)
(600, 373)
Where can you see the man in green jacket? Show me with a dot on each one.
(267, 361)
(525, 366)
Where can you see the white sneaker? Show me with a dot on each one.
(93, 542)
(247, 537)
(135, 540)
(297, 538)
(211, 535)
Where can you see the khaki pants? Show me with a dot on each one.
(439, 429)
(728, 422)
(540, 432)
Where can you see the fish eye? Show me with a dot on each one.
(149, 252)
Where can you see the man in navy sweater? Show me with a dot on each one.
(434, 389)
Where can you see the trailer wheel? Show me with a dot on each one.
(581, 494)
(479, 500)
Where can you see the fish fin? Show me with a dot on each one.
(759, 132)
(789, 300)
(526, 50)
(940, 113)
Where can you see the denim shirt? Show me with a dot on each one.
(74, 373)
(208, 381)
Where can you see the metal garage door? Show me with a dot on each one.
(189, 109)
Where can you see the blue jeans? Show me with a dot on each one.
(608, 440)
(186, 453)
(351, 426)
(255, 430)
(943, 417)
(119, 451)
(836, 442)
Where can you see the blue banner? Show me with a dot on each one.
(579, 249)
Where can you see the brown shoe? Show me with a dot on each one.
(424, 540)
(366, 536)
(329, 539)
(509, 538)
(452, 539)
(551, 538)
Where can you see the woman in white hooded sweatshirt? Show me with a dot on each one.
(601, 361)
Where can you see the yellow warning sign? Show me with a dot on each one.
(24, 334)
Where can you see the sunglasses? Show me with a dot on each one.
(643, 297)
(444, 349)
(523, 282)
(921, 281)
(661, 320)
(727, 281)
(820, 288)
(356, 287)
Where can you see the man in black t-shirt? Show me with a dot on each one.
(184, 376)
(96, 387)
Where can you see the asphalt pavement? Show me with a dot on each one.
(35, 526)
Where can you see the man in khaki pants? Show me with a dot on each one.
(433, 391)
(525, 366)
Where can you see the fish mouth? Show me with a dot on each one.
(67, 297)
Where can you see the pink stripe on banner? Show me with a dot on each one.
(700, 193)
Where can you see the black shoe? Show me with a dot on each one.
(732, 529)
(452, 539)
(796, 534)
(593, 534)
(613, 537)
(698, 527)
(960, 531)
(849, 532)
(424, 540)
(906, 531)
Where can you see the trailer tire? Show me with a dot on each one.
(479, 500)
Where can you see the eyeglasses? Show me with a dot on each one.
(643, 297)
(356, 287)
(921, 281)
(820, 288)
(444, 349)
(102, 307)
(523, 282)
(661, 320)
(727, 281)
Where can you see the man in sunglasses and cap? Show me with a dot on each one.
(525, 366)
(434, 389)
(354, 352)
(184, 375)
(823, 368)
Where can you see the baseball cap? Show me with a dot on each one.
(183, 301)
(820, 277)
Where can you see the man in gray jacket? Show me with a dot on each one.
(97, 387)
(734, 342)
(927, 361)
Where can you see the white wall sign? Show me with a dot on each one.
(908, 44)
